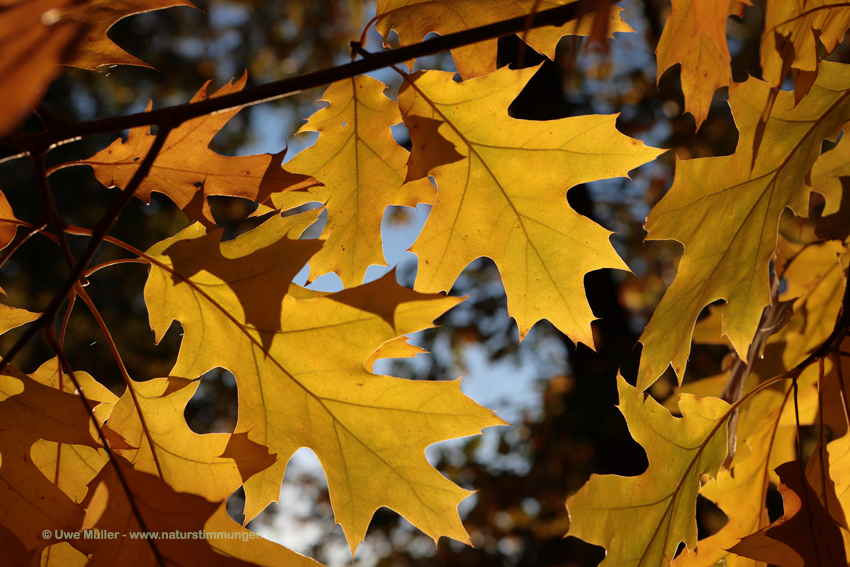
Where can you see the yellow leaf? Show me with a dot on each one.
(12, 317)
(62, 555)
(163, 443)
(186, 170)
(502, 187)
(363, 169)
(726, 214)
(299, 366)
(641, 520)
(414, 19)
(805, 24)
(740, 493)
(695, 36)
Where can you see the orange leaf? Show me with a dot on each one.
(187, 171)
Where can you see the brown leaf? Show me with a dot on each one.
(94, 48)
(31, 51)
(806, 535)
(29, 411)
(176, 518)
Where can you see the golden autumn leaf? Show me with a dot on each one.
(363, 171)
(167, 513)
(831, 178)
(695, 36)
(805, 535)
(813, 289)
(94, 49)
(307, 354)
(502, 187)
(13, 317)
(186, 170)
(30, 504)
(641, 520)
(71, 467)
(726, 214)
(740, 493)
(792, 34)
(212, 465)
(412, 20)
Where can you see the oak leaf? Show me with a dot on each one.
(94, 49)
(655, 510)
(695, 36)
(793, 33)
(150, 420)
(173, 516)
(412, 20)
(299, 362)
(502, 186)
(739, 492)
(831, 178)
(72, 467)
(726, 214)
(363, 170)
(13, 317)
(805, 535)
(186, 170)
(30, 411)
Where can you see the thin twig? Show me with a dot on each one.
(845, 402)
(94, 269)
(126, 375)
(48, 207)
(100, 230)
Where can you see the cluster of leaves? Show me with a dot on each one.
(77, 457)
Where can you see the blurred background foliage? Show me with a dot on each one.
(564, 422)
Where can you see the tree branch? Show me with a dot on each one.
(19, 144)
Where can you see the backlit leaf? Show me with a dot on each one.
(299, 365)
(192, 463)
(94, 48)
(163, 511)
(739, 492)
(641, 520)
(32, 46)
(29, 502)
(363, 169)
(695, 36)
(804, 24)
(726, 215)
(502, 187)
